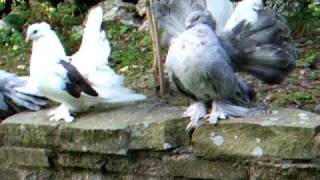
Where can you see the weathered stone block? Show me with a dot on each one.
(160, 135)
(28, 157)
(103, 141)
(150, 142)
(29, 130)
(21, 174)
(81, 161)
(187, 165)
(3, 158)
(119, 130)
(284, 170)
(286, 134)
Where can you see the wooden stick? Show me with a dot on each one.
(155, 61)
(156, 47)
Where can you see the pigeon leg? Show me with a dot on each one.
(216, 114)
(196, 111)
(61, 113)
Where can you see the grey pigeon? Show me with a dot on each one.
(203, 65)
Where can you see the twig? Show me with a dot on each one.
(157, 63)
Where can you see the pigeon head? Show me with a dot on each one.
(37, 30)
(200, 17)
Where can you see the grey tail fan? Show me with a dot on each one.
(12, 100)
(264, 49)
(171, 14)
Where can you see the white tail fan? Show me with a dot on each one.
(95, 47)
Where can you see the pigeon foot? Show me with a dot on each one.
(61, 113)
(196, 111)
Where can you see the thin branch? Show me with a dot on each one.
(157, 63)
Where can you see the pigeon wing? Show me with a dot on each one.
(76, 83)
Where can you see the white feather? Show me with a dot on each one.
(221, 11)
(245, 10)
(94, 40)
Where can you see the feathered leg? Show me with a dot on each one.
(216, 113)
(196, 111)
(61, 113)
(221, 110)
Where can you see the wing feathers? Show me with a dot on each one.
(76, 84)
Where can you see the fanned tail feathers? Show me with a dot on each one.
(265, 49)
(94, 40)
(110, 87)
(171, 14)
(16, 94)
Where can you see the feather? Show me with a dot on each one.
(246, 10)
(13, 100)
(264, 49)
(221, 10)
(76, 83)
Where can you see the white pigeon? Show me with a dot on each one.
(245, 10)
(13, 101)
(221, 11)
(85, 82)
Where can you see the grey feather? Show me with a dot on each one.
(12, 101)
(171, 15)
(265, 49)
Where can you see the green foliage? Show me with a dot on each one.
(15, 21)
(15, 51)
(61, 18)
(303, 15)
(309, 58)
(10, 37)
(302, 97)
(129, 46)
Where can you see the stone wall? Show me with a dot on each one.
(150, 142)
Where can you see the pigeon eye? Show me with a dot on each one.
(35, 31)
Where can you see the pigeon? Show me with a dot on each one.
(82, 80)
(204, 65)
(13, 100)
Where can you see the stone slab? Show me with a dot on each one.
(285, 133)
(113, 131)
(29, 129)
(27, 157)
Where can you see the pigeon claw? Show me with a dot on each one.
(60, 114)
(216, 114)
(214, 117)
(196, 112)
